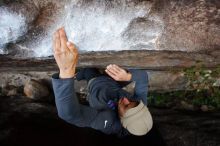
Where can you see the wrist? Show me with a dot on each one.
(67, 74)
(129, 76)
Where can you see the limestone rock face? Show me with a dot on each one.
(35, 90)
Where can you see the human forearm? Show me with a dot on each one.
(140, 78)
(68, 106)
(66, 101)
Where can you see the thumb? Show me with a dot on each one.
(71, 47)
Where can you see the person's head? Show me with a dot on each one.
(134, 116)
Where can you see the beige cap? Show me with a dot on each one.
(137, 120)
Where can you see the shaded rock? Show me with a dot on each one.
(158, 80)
(35, 90)
(10, 90)
(25, 119)
(130, 88)
(81, 86)
(187, 106)
(166, 80)
(188, 128)
(83, 90)
(204, 108)
(20, 78)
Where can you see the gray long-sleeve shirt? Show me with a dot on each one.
(102, 90)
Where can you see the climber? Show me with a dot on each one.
(112, 109)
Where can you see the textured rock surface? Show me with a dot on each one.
(158, 80)
(10, 90)
(187, 25)
(191, 24)
(189, 30)
(35, 90)
(156, 60)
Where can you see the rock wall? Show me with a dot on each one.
(165, 36)
(187, 25)
(161, 80)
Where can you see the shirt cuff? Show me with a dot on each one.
(56, 76)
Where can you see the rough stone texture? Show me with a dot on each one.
(190, 24)
(156, 60)
(35, 90)
(158, 80)
(190, 32)
(20, 78)
(29, 11)
(167, 80)
(204, 108)
(40, 15)
(186, 25)
(10, 90)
